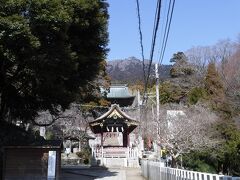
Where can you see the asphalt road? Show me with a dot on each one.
(98, 173)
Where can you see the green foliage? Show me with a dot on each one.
(213, 83)
(49, 135)
(199, 161)
(49, 51)
(86, 161)
(170, 93)
(85, 154)
(216, 93)
(179, 56)
(196, 94)
(13, 135)
(176, 89)
(223, 159)
(230, 150)
(181, 66)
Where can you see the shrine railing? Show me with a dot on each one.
(133, 153)
(118, 152)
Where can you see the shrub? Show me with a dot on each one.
(170, 93)
(196, 94)
(85, 154)
(86, 161)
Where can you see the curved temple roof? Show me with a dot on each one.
(115, 114)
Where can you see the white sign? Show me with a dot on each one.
(68, 150)
(51, 164)
(42, 131)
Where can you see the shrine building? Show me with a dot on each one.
(119, 94)
(113, 129)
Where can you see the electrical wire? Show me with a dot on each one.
(141, 39)
(154, 37)
(167, 30)
(155, 29)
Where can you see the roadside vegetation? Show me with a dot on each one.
(205, 85)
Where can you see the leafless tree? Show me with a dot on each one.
(231, 72)
(199, 56)
(183, 129)
(219, 53)
(72, 123)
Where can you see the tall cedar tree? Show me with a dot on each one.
(49, 52)
(213, 84)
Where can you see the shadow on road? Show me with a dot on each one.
(86, 173)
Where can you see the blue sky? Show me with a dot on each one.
(195, 23)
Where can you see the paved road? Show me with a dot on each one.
(101, 174)
(133, 174)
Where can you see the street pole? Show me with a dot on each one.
(157, 95)
(158, 111)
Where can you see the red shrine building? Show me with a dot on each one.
(113, 130)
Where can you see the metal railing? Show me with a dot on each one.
(152, 171)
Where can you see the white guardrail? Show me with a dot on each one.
(152, 171)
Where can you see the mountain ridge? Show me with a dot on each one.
(130, 70)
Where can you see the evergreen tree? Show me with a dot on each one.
(213, 83)
(49, 52)
(176, 89)
(181, 65)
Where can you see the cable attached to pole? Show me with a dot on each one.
(155, 29)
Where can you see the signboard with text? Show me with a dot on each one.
(113, 139)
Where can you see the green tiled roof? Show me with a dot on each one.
(118, 91)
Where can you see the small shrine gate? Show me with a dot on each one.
(113, 129)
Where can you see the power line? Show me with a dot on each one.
(167, 30)
(162, 27)
(155, 29)
(154, 36)
(141, 40)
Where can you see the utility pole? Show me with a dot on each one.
(158, 112)
(139, 105)
(157, 96)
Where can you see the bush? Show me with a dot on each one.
(170, 93)
(49, 135)
(196, 94)
(86, 161)
(85, 154)
(200, 161)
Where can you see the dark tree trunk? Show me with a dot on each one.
(174, 162)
